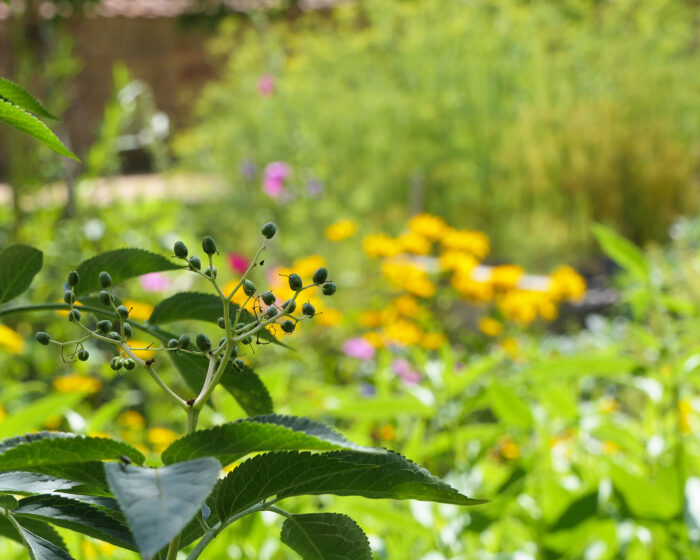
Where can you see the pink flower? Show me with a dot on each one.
(358, 348)
(154, 282)
(238, 262)
(266, 85)
(403, 369)
(275, 175)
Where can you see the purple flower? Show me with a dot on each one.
(248, 169)
(238, 262)
(266, 85)
(367, 390)
(358, 348)
(275, 175)
(403, 369)
(315, 187)
(154, 282)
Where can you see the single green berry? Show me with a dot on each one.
(247, 340)
(128, 331)
(292, 306)
(221, 322)
(329, 288)
(104, 326)
(105, 298)
(268, 298)
(172, 343)
(207, 272)
(234, 351)
(308, 309)
(195, 263)
(129, 364)
(105, 279)
(69, 297)
(248, 288)
(180, 250)
(203, 343)
(42, 338)
(288, 326)
(240, 364)
(321, 275)
(74, 315)
(208, 245)
(271, 312)
(269, 230)
(122, 311)
(73, 278)
(83, 355)
(115, 363)
(183, 341)
(295, 282)
(114, 335)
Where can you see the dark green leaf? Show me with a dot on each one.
(77, 516)
(41, 549)
(18, 266)
(121, 264)
(159, 503)
(325, 536)
(229, 442)
(579, 510)
(23, 121)
(21, 97)
(17, 482)
(45, 531)
(622, 251)
(90, 473)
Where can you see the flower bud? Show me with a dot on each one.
(268, 298)
(203, 343)
(329, 288)
(183, 341)
(308, 309)
(73, 278)
(42, 338)
(248, 288)
(180, 250)
(69, 297)
(288, 326)
(292, 306)
(269, 230)
(172, 343)
(208, 245)
(321, 275)
(195, 262)
(104, 326)
(295, 282)
(105, 298)
(122, 311)
(74, 315)
(105, 279)
(83, 355)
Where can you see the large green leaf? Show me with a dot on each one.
(325, 536)
(20, 263)
(77, 516)
(18, 482)
(35, 414)
(21, 97)
(649, 497)
(41, 549)
(121, 264)
(244, 384)
(23, 121)
(622, 251)
(159, 503)
(90, 474)
(39, 528)
(229, 442)
(508, 406)
(49, 449)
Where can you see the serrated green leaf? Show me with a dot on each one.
(90, 474)
(35, 414)
(325, 536)
(122, 264)
(77, 516)
(275, 474)
(41, 549)
(20, 263)
(23, 121)
(55, 448)
(45, 531)
(21, 97)
(159, 503)
(622, 251)
(229, 442)
(19, 482)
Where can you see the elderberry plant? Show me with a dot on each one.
(98, 486)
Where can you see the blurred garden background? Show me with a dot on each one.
(505, 192)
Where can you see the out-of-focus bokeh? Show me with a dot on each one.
(505, 193)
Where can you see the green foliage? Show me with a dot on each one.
(325, 536)
(622, 251)
(20, 263)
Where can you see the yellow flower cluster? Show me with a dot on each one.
(408, 276)
(341, 230)
(75, 383)
(11, 340)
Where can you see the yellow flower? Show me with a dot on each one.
(432, 341)
(138, 310)
(474, 242)
(329, 317)
(408, 276)
(74, 383)
(411, 242)
(376, 339)
(566, 283)
(506, 277)
(341, 230)
(160, 438)
(380, 245)
(143, 351)
(132, 419)
(406, 306)
(457, 261)
(519, 306)
(508, 448)
(511, 346)
(429, 226)
(371, 319)
(12, 340)
(471, 289)
(306, 266)
(490, 327)
(403, 332)
(387, 432)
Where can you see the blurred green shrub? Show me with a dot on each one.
(507, 116)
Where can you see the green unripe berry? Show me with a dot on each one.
(180, 250)
(269, 230)
(122, 311)
(74, 315)
(270, 313)
(248, 288)
(222, 341)
(240, 364)
(195, 263)
(234, 351)
(208, 245)
(247, 340)
(288, 326)
(128, 332)
(203, 343)
(183, 341)
(42, 338)
(105, 298)
(308, 309)
(104, 326)
(172, 343)
(295, 282)
(115, 363)
(268, 298)
(221, 322)
(73, 278)
(329, 288)
(292, 306)
(129, 364)
(114, 335)
(105, 279)
(69, 297)
(321, 275)
(83, 355)
(207, 272)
